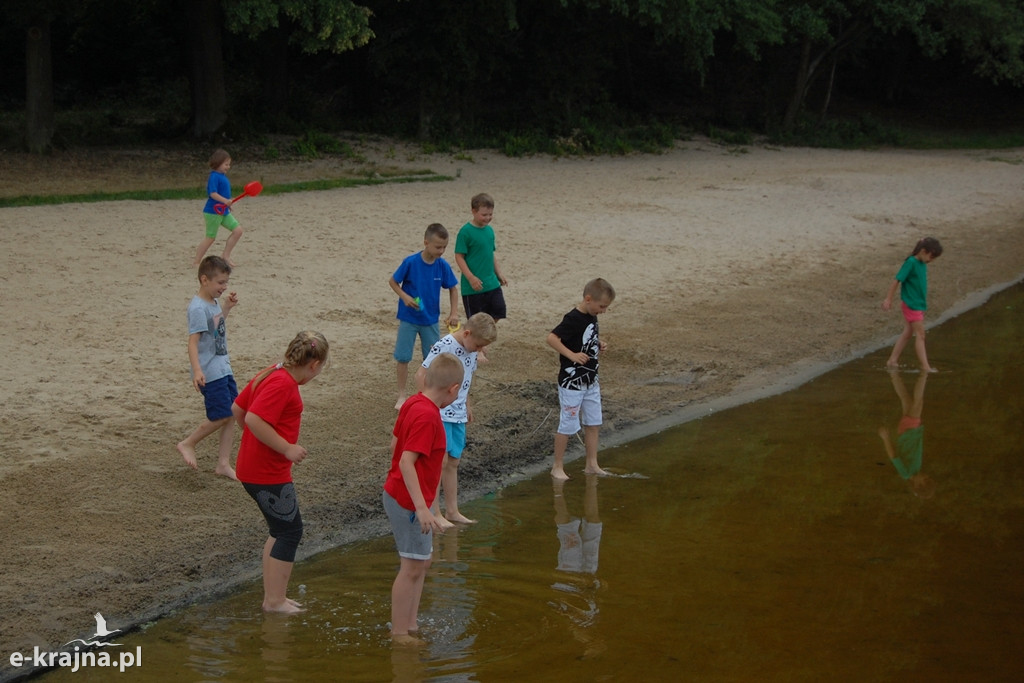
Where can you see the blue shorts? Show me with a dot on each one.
(429, 334)
(491, 302)
(455, 432)
(219, 395)
(410, 540)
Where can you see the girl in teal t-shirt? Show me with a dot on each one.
(912, 281)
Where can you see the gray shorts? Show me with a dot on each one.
(409, 539)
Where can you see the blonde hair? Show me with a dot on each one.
(444, 371)
(307, 347)
(218, 157)
(599, 289)
(482, 327)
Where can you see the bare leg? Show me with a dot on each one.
(450, 481)
(276, 574)
(204, 244)
(590, 434)
(405, 598)
(187, 447)
(402, 373)
(435, 509)
(922, 354)
(233, 238)
(558, 469)
(897, 349)
(224, 449)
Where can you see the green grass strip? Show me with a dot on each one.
(195, 193)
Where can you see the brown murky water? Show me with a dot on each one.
(774, 541)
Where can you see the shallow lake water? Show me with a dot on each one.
(773, 541)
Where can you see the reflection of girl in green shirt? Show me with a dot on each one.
(908, 454)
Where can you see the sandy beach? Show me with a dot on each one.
(737, 270)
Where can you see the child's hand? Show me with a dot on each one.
(428, 521)
(412, 303)
(886, 304)
(199, 381)
(580, 358)
(476, 283)
(602, 345)
(231, 301)
(295, 452)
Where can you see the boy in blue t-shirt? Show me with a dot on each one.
(211, 368)
(418, 283)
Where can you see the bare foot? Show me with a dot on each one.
(292, 602)
(892, 365)
(406, 639)
(286, 607)
(559, 474)
(226, 471)
(459, 518)
(189, 454)
(930, 369)
(598, 471)
(444, 523)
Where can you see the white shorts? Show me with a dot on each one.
(579, 405)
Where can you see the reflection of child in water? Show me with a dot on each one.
(579, 539)
(908, 453)
(579, 542)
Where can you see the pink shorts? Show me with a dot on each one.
(910, 315)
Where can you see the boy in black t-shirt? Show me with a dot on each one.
(579, 393)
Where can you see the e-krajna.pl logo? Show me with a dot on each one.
(82, 656)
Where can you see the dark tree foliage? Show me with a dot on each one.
(477, 69)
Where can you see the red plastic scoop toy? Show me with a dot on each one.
(250, 190)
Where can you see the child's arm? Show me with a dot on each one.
(266, 433)
(887, 442)
(198, 378)
(407, 466)
(476, 283)
(497, 271)
(421, 375)
(453, 301)
(406, 299)
(230, 301)
(887, 302)
(239, 414)
(578, 357)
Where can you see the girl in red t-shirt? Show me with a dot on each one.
(269, 410)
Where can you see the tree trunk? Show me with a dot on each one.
(38, 88)
(803, 76)
(206, 60)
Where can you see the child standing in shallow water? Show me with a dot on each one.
(269, 409)
(912, 280)
(579, 392)
(417, 454)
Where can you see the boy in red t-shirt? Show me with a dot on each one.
(417, 455)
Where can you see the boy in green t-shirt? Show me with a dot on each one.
(482, 278)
